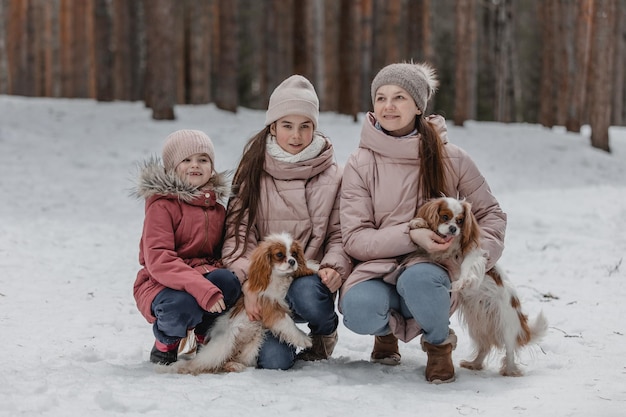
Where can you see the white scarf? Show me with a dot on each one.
(314, 149)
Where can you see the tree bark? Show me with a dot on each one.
(199, 52)
(226, 88)
(102, 51)
(601, 72)
(466, 61)
(365, 67)
(348, 60)
(547, 108)
(160, 63)
(330, 100)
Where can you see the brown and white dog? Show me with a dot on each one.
(233, 340)
(487, 300)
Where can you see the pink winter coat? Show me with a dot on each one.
(380, 195)
(182, 234)
(299, 198)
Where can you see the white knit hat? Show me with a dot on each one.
(419, 80)
(295, 95)
(184, 143)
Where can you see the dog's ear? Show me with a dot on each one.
(260, 268)
(429, 211)
(303, 269)
(470, 232)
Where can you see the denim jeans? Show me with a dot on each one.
(177, 311)
(422, 292)
(310, 302)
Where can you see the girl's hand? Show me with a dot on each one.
(218, 307)
(251, 304)
(429, 241)
(330, 278)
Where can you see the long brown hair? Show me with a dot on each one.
(432, 178)
(246, 187)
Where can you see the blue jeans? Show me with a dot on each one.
(177, 311)
(422, 292)
(310, 302)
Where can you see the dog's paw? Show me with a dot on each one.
(466, 283)
(232, 366)
(418, 223)
(303, 341)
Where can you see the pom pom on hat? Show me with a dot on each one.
(295, 95)
(419, 80)
(184, 143)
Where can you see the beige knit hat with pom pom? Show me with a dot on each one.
(419, 80)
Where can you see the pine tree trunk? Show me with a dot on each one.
(20, 49)
(226, 87)
(4, 63)
(160, 63)
(547, 108)
(365, 57)
(578, 89)
(348, 60)
(103, 55)
(466, 61)
(303, 38)
(199, 61)
(331, 56)
(601, 72)
(617, 118)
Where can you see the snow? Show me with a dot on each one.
(73, 342)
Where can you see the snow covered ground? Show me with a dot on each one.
(73, 342)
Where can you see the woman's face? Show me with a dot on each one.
(395, 110)
(293, 133)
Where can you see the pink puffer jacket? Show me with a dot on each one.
(380, 195)
(181, 239)
(299, 198)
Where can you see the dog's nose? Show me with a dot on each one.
(453, 229)
(292, 262)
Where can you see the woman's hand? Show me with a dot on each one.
(218, 307)
(430, 241)
(250, 302)
(330, 278)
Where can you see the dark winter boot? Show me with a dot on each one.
(167, 356)
(322, 348)
(386, 350)
(439, 368)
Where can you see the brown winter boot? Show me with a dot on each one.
(439, 368)
(322, 348)
(386, 350)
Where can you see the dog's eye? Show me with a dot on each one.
(445, 218)
(279, 256)
(460, 221)
(294, 254)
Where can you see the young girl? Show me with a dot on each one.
(182, 284)
(403, 160)
(288, 181)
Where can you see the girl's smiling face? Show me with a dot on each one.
(395, 110)
(196, 169)
(293, 133)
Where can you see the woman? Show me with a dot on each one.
(404, 159)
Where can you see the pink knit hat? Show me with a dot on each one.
(295, 95)
(184, 143)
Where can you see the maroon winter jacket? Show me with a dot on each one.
(182, 236)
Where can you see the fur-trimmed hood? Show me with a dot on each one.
(153, 181)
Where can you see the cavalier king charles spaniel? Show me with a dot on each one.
(487, 300)
(233, 340)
